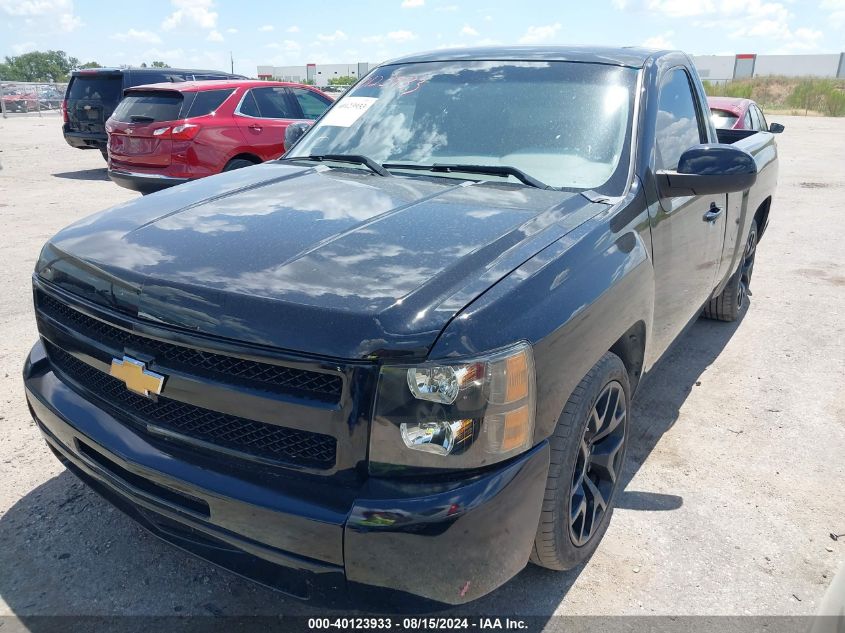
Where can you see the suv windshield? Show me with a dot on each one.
(563, 123)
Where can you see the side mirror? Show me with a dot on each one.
(293, 133)
(707, 169)
(776, 128)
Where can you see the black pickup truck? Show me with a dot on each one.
(398, 363)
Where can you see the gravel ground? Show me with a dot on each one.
(736, 467)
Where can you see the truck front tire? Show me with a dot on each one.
(587, 456)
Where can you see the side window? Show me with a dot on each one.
(313, 105)
(678, 127)
(207, 101)
(755, 118)
(764, 126)
(747, 122)
(248, 106)
(275, 103)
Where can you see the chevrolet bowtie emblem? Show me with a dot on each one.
(136, 376)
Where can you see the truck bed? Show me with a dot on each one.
(732, 136)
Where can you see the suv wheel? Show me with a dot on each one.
(238, 163)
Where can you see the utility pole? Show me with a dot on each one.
(231, 63)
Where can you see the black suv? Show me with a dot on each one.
(93, 94)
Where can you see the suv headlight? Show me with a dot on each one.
(454, 414)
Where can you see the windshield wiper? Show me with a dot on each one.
(355, 159)
(140, 118)
(493, 170)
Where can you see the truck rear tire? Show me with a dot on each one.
(587, 456)
(734, 297)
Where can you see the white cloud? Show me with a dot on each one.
(133, 35)
(488, 18)
(536, 34)
(681, 8)
(58, 13)
(292, 29)
(412, 4)
(191, 13)
(337, 36)
(23, 47)
(837, 11)
(215, 36)
(401, 36)
(231, 30)
(286, 45)
(803, 39)
(468, 30)
(393, 36)
(69, 22)
(770, 22)
(660, 41)
(266, 28)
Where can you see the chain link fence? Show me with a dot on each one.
(25, 97)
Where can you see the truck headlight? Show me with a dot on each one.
(454, 414)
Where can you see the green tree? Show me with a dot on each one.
(38, 66)
(90, 65)
(343, 80)
(160, 65)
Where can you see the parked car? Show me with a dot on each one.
(93, 94)
(730, 113)
(20, 100)
(166, 134)
(397, 364)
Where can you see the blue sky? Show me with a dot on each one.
(200, 33)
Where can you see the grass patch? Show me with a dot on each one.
(802, 95)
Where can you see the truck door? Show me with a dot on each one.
(687, 232)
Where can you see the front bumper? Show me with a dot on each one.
(144, 183)
(403, 544)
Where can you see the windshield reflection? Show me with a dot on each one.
(565, 124)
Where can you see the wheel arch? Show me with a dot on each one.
(630, 348)
(253, 158)
(761, 216)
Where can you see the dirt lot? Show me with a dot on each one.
(735, 474)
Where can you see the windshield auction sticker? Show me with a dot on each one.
(348, 110)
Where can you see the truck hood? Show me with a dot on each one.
(336, 263)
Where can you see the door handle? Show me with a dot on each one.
(255, 127)
(713, 214)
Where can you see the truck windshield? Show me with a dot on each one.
(564, 124)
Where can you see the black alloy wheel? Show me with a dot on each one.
(598, 463)
(747, 267)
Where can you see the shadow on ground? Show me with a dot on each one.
(63, 550)
(84, 174)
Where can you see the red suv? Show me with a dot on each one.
(165, 134)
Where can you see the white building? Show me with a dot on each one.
(722, 68)
(318, 73)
